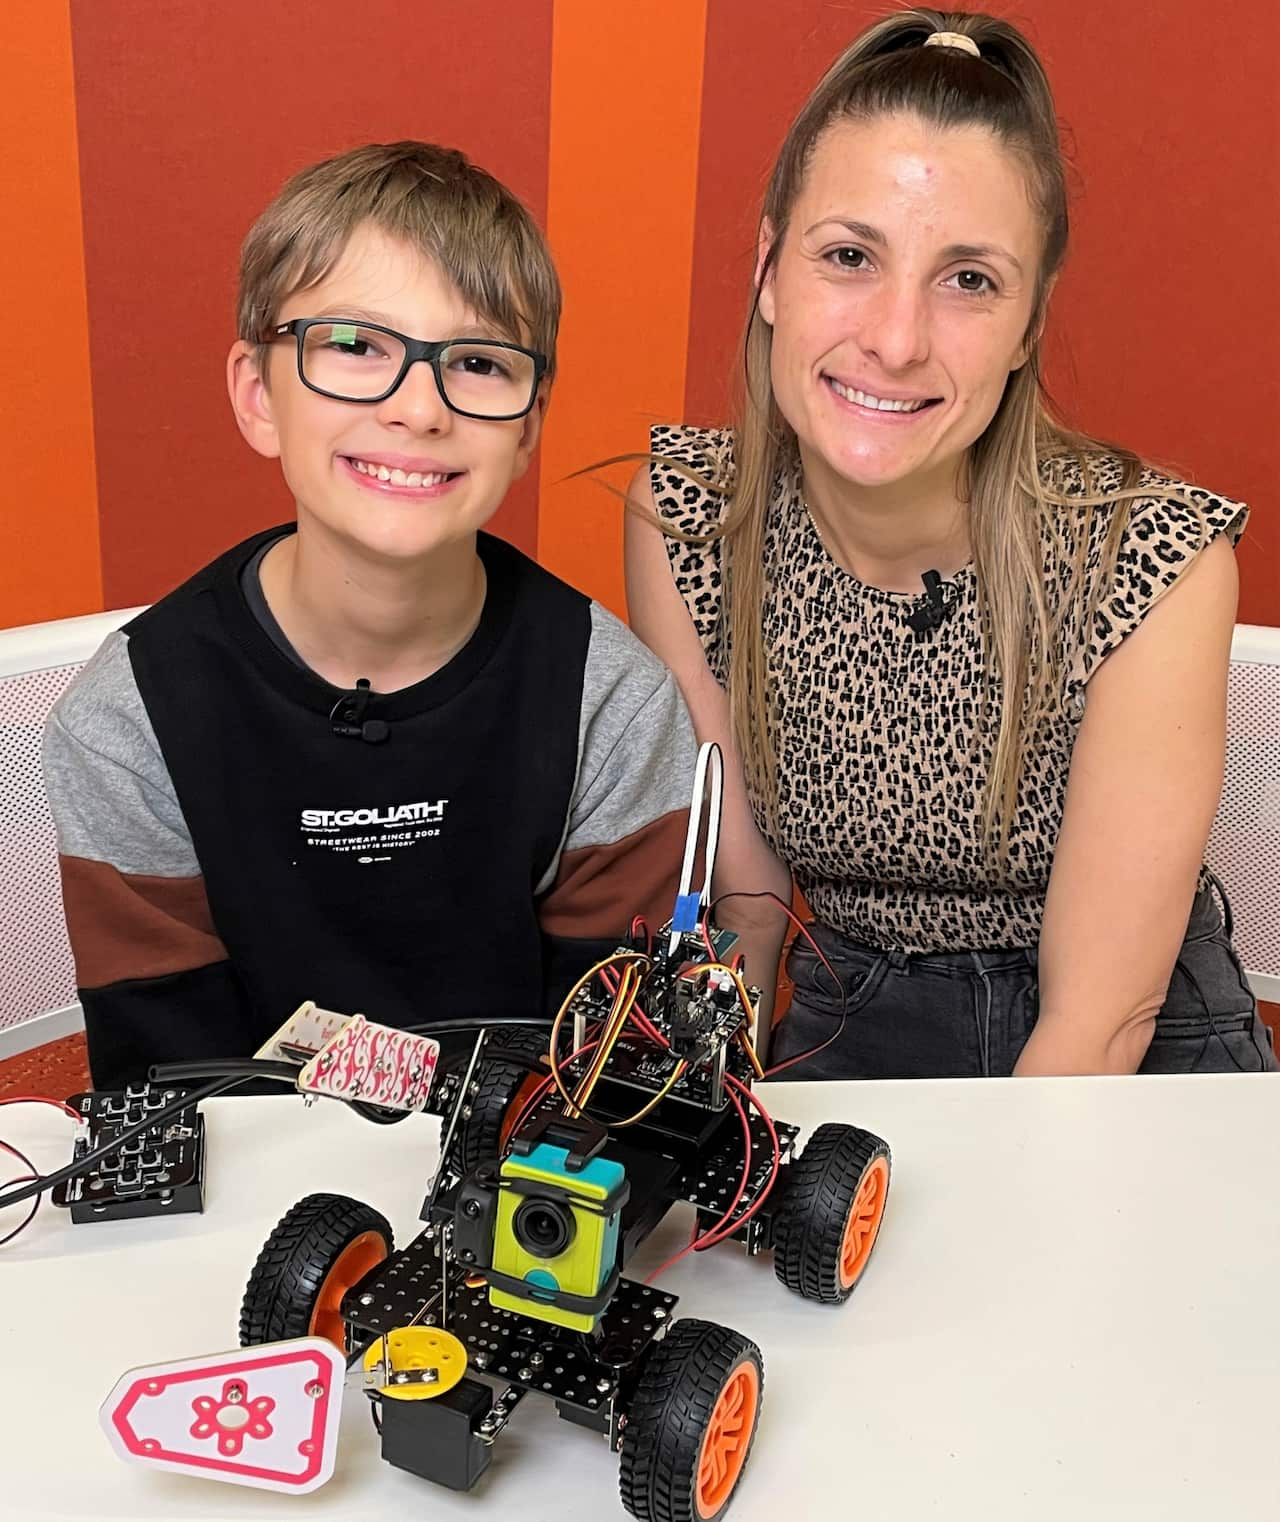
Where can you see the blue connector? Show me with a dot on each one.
(685, 917)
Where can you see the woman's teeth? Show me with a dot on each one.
(400, 477)
(865, 399)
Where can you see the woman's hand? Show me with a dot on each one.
(1143, 788)
(744, 862)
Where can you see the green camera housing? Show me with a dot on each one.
(555, 1240)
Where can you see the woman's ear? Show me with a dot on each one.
(250, 399)
(764, 272)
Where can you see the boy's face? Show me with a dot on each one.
(318, 439)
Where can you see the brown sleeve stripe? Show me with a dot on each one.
(124, 926)
(599, 888)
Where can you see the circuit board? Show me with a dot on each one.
(158, 1172)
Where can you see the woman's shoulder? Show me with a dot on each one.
(691, 474)
(1162, 516)
(1143, 527)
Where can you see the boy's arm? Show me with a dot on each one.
(153, 976)
(625, 833)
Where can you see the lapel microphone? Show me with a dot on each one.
(930, 615)
(347, 720)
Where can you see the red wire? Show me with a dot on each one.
(706, 940)
(26, 1178)
(41, 1099)
(813, 1051)
(727, 1227)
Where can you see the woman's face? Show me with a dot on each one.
(900, 299)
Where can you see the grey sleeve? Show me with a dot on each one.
(636, 748)
(109, 790)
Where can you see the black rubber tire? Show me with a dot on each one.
(295, 1261)
(498, 1081)
(821, 1186)
(668, 1416)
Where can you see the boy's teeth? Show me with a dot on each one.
(399, 477)
(865, 399)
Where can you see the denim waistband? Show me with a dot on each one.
(1206, 918)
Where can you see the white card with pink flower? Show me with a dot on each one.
(266, 1416)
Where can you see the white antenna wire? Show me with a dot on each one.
(691, 906)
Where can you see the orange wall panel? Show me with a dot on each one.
(191, 117)
(626, 90)
(49, 519)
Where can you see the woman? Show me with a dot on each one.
(968, 667)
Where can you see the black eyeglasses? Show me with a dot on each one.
(362, 362)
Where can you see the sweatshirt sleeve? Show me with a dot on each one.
(624, 836)
(153, 975)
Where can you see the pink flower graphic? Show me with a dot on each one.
(232, 1417)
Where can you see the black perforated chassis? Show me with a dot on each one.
(589, 1377)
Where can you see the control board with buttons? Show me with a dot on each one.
(158, 1171)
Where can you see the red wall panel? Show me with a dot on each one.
(191, 117)
(1167, 320)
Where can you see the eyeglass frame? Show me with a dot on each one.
(416, 350)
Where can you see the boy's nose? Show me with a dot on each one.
(416, 402)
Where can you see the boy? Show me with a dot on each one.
(381, 760)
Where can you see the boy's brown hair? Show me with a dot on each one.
(436, 200)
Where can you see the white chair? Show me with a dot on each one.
(37, 975)
(1244, 845)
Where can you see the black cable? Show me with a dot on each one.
(223, 1067)
(35, 1204)
(475, 1023)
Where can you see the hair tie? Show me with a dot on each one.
(953, 40)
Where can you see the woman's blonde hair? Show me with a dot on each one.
(436, 200)
(1012, 478)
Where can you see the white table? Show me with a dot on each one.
(1073, 1313)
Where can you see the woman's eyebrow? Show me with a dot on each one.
(869, 234)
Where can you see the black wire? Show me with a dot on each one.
(223, 1067)
(475, 1023)
(35, 1204)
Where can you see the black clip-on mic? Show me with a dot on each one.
(929, 617)
(347, 720)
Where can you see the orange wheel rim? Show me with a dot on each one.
(864, 1221)
(724, 1449)
(516, 1109)
(351, 1265)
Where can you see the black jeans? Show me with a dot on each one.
(969, 1013)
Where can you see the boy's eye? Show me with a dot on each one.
(347, 339)
(483, 364)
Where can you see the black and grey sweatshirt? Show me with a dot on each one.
(226, 854)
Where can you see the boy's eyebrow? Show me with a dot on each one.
(474, 329)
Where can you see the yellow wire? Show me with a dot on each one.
(628, 990)
(627, 957)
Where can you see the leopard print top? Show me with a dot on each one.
(882, 756)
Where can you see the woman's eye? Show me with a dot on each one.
(848, 258)
(974, 282)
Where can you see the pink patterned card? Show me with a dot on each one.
(266, 1417)
(376, 1063)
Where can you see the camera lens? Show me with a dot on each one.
(543, 1227)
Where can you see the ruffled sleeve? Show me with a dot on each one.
(1163, 534)
(692, 506)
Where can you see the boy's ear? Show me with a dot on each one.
(764, 278)
(531, 431)
(250, 399)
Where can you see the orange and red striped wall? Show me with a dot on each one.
(141, 137)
